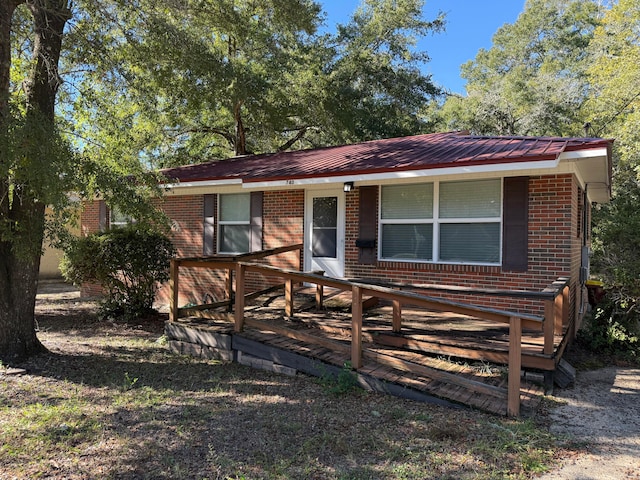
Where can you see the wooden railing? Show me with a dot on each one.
(215, 262)
(516, 321)
(555, 298)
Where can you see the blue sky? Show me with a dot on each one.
(470, 26)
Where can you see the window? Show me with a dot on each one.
(234, 223)
(407, 221)
(117, 219)
(452, 222)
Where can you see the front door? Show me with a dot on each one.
(324, 232)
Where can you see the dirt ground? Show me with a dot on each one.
(601, 411)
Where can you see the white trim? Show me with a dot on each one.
(333, 267)
(408, 174)
(593, 152)
(203, 183)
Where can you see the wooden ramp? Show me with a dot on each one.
(317, 343)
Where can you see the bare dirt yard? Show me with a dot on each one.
(602, 410)
(110, 401)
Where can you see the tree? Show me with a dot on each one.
(199, 80)
(373, 74)
(151, 83)
(615, 112)
(532, 81)
(30, 145)
(38, 167)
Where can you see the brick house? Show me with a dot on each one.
(446, 208)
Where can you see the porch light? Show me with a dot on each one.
(348, 186)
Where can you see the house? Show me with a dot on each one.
(446, 208)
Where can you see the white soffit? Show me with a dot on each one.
(195, 187)
(498, 168)
(592, 169)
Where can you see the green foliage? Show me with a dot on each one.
(128, 263)
(616, 245)
(183, 82)
(129, 382)
(346, 381)
(532, 81)
(615, 75)
(374, 76)
(613, 329)
(615, 112)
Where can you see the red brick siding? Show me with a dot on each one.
(554, 246)
(90, 223)
(279, 229)
(554, 250)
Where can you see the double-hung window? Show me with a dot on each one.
(407, 222)
(234, 223)
(442, 222)
(117, 219)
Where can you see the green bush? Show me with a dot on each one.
(613, 328)
(129, 263)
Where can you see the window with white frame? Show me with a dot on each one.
(117, 219)
(442, 222)
(234, 219)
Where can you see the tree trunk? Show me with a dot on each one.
(20, 209)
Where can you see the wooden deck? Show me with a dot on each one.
(431, 347)
(437, 357)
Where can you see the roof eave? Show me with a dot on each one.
(367, 177)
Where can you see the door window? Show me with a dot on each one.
(325, 227)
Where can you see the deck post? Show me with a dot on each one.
(239, 300)
(174, 289)
(356, 327)
(515, 365)
(566, 304)
(288, 297)
(228, 286)
(397, 316)
(558, 313)
(549, 326)
(319, 296)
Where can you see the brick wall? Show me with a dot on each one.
(90, 223)
(283, 224)
(554, 251)
(554, 246)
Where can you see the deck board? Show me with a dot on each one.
(417, 358)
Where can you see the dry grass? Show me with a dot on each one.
(109, 401)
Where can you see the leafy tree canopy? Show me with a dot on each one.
(615, 112)
(532, 81)
(186, 81)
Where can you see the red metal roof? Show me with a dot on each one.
(436, 150)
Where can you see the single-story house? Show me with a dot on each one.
(444, 208)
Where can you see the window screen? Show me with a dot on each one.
(234, 225)
(453, 222)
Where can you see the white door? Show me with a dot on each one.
(324, 232)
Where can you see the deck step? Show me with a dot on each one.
(565, 374)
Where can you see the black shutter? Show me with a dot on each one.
(255, 241)
(103, 221)
(367, 222)
(515, 239)
(209, 222)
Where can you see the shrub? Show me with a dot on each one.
(129, 263)
(613, 328)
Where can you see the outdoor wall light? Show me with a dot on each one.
(348, 186)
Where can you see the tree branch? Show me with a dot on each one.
(287, 145)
